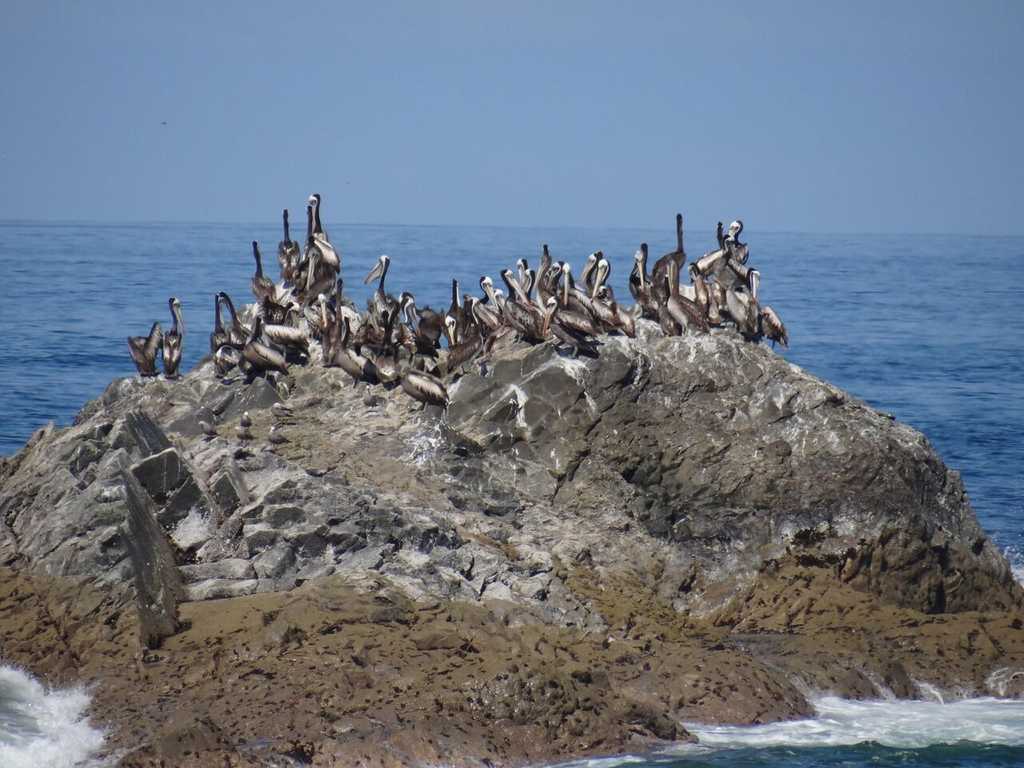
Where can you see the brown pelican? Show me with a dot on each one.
(314, 204)
(461, 349)
(425, 323)
(547, 278)
(682, 310)
(330, 332)
(173, 340)
(349, 360)
(238, 333)
(328, 256)
(483, 315)
(771, 325)
(287, 336)
(570, 297)
(745, 312)
(738, 251)
(275, 436)
(219, 337)
(262, 286)
(587, 273)
(288, 253)
(143, 350)
(640, 285)
(711, 263)
(567, 333)
(520, 312)
(455, 308)
(260, 355)
(426, 388)
(226, 358)
(612, 314)
(702, 296)
(659, 275)
(381, 302)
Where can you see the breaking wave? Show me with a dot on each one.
(42, 727)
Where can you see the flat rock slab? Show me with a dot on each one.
(236, 568)
(213, 589)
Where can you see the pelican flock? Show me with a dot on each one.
(396, 343)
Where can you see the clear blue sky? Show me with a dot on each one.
(817, 116)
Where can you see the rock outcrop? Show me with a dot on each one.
(656, 496)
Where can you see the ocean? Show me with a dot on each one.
(916, 325)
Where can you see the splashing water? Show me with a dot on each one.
(40, 727)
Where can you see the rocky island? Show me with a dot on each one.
(576, 557)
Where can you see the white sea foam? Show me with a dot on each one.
(1016, 558)
(41, 727)
(840, 722)
(905, 724)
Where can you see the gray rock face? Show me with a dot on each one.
(691, 462)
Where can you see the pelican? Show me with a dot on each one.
(329, 257)
(143, 350)
(711, 263)
(425, 324)
(547, 278)
(460, 350)
(483, 315)
(587, 273)
(574, 299)
(349, 360)
(425, 387)
(612, 314)
(701, 294)
(455, 308)
(745, 312)
(260, 355)
(288, 252)
(640, 285)
(173, 340)
(682, 310)
(287, 336)
(225, 358)
(381, 302)
(238, 333)
(771, 325)
(566, 333)
(219, 337)
(262, 286)
(659, 289)
(737, 251)
(520, 312)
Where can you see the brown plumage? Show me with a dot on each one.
(143, 350)
(174, 340)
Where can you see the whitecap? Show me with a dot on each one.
(902, 724)
(44, 727)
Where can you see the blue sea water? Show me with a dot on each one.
(922, 326)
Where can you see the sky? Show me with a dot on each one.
(895, 117)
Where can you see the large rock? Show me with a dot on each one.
(694, 461)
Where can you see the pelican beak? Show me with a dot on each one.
(376, 272)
